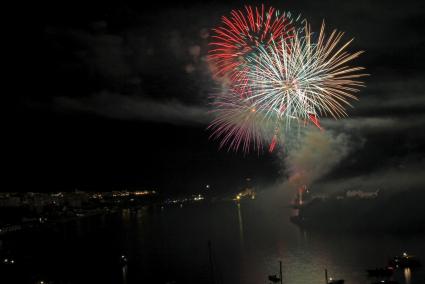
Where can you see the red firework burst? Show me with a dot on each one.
(241, 34)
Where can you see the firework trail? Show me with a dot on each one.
(241, 34)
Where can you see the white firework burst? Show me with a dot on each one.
(303, 79)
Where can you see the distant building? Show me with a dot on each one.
(76, 199)
(362, 194)
(10, 201)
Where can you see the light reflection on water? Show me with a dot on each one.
(124, 274)
(249, 239)
(407, 275)
(240, 224)
(170, 244)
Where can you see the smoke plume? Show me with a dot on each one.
(315, 155)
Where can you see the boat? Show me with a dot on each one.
(277, 279)
(336, 281)
(123, 260)
(274, 278)
(330, 280)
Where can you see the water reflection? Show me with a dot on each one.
(79, 228)
(126, 215)
(241, 238)
(407, 275)
(303, 236)
(171, 245)
(124, 274)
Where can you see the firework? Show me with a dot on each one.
(237, 123)
(241, 34)
(240, 126)
(304, 79)
(279, 82)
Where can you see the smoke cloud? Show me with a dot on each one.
(317, 153)
(133, 107)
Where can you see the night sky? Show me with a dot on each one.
(109, 96)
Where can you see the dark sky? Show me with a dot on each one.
(107, 96)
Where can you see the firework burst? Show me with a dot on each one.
(304, 79)
(278, 83)
(241, 34)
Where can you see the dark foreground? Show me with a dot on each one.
(169, 245)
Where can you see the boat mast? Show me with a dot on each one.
(326, 276)
(211, 262)
(280, 271)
